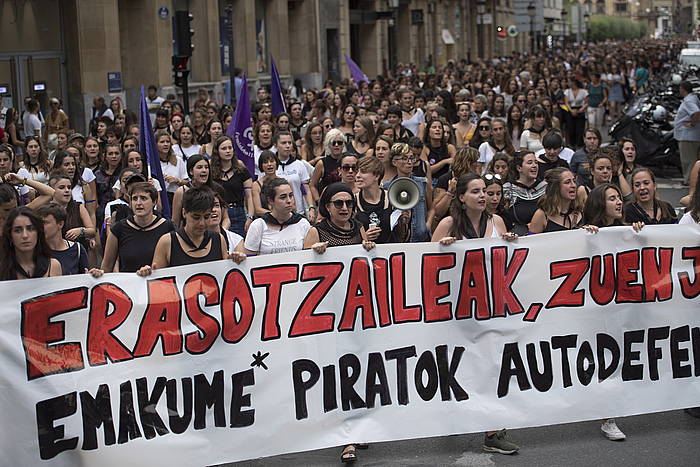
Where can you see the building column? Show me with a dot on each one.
(343, 36)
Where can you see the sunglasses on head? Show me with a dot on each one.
(490, 177)
(339, 203)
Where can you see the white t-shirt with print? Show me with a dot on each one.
(261, 238)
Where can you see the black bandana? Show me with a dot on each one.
(190, 243)
(469, 228)
(270, 219)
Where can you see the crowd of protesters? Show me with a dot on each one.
(498, 149)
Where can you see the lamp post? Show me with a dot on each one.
(564, 14)
(231, 71)
(586, 19)
(480, 10)
(531, 13)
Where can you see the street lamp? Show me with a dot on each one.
(564, 14)
(531, 13)
(480, 10)
(586, 18)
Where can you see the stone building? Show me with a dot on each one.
(76, 49)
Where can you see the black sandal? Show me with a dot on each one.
(348, 456)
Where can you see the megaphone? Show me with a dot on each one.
(404, 193)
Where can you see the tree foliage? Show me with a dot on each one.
(614, 27)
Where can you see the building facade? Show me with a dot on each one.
(77, 49)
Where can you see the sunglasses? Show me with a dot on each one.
(405, 159)
(490, 177)
(339, 203)
(349, 112)
(348, 168)
(336, 143)
(522, 100)
(484, 128)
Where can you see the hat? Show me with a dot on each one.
(75, 136)
(329, 192)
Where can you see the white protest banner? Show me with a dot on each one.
(220, 362)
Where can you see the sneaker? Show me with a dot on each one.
(611, 431)
(498, 443)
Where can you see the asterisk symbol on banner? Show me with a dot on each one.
(258, 359)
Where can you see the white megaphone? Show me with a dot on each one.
(404, 193)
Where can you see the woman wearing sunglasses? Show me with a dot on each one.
(338, 227)
(327, 170)
(483, 132)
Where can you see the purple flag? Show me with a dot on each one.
(241, 130)
(148, 147)
(278, 105)
(357, 75)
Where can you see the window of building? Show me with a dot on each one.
(621, 7)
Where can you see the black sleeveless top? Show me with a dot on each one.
(436, 155)
(331, 172)
(178, 257)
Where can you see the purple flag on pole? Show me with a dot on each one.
(147, 144)
(241, 130)
(357, 75)
(278, 105)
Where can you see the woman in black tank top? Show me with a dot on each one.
(559, 208)
(194, 243)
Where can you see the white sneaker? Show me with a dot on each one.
(611, 431)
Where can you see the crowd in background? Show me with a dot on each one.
(498, 148)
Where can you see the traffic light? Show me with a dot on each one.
(180, 71)
(182, 33)
(501, 33)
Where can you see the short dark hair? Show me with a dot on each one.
(270, 186)
(394, 110)
(198, 199)
(266, 156)
(52, 209)
(552, 140)
(145, 187)
(283, 133)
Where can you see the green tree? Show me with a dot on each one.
(613, 27)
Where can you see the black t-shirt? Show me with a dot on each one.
(136, 247)
(233, 187)
(377, 214)
(545, 165)
(74, 259)
(443, 181)
(436, 155)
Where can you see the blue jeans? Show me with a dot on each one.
(236, 215)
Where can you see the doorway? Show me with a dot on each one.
(41, 75)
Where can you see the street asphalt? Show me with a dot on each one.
(660, 439)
